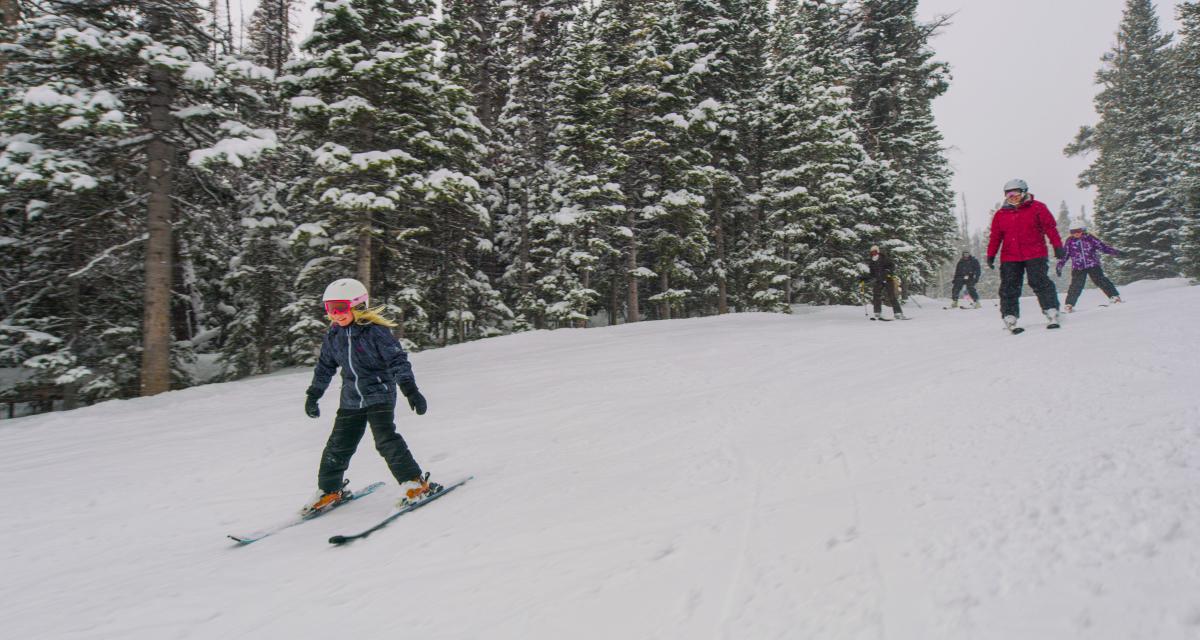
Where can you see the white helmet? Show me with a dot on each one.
(1077, 223)
(1015, 183)
(346, 289)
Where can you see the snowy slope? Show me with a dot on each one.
(748, 476)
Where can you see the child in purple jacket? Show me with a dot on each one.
(1084, 251)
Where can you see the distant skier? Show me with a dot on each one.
(373, 364)
(966, 273)
(1022, 226)
(881, 272)
(1084, 250)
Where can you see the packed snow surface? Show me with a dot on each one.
(748, 476)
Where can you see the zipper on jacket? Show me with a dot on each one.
(350, 361)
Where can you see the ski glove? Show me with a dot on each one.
(310, 405)
(1059, 252)
(991, 262)
(416, 401)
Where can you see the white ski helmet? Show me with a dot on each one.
(1015, 183)
(1077, 223)
(346, 289)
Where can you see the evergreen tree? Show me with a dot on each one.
(270, 33)
(816, 184)
(96, 98)
(1133, 141)
(390, 195)
(1185, 87)
(895, 82)
(535, 32)
(586, 160)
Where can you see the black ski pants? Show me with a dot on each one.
(348, 430)
(1012, 280)
(958, 287)
(1079, 278)
(879, 287)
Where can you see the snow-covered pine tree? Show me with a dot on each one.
(1186, 111)
(1063, 220)
(390, 195)
(895, 80)
(476, 48)
(587, 161)
(816, 183)
(676, 223)
(92, 94)
(717, 74)
(534, 35)
(635, 66)
(1133, 145)
(270, 34)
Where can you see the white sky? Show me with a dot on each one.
(1024, 74)
(1023, 83)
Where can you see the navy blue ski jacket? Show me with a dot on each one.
(372, 362)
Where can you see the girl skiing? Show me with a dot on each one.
(1084, 250)
(373, 364)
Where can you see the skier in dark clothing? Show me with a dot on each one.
(966, 273)
(1083, 250)
(373, 364)
(1022, 226)
(881, 273)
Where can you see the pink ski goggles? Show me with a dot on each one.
(343, 306)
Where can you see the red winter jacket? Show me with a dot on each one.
(1021, 230)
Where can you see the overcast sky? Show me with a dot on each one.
(1024, 73)
(1023, 83)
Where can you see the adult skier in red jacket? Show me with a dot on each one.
(1021, 227)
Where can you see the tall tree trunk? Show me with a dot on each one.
(363, 268)
(631, 265)
(664, 284)
(10, 15)
(586, 281)
(156, 345)
(614, 292)
(719, 233)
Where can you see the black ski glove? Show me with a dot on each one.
(1059, 252)
(416, 401)
(310, 405)
(991, 262)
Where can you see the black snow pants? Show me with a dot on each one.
(348, 430)
(958, 287)
(1012, 280)
(879, 287)
(1079, 278)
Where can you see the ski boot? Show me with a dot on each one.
(900, 316)
(416, 490)
(323, 501)
(954, 304)
(1010, 323)
(1114, 300)
(976, 305)
(1051, 318)
(1069, 308)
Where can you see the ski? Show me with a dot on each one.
(341, 540)
(1053, 325)
(243, 540)
(882, 319)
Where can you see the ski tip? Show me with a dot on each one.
(339, 540)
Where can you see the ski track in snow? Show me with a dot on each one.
(747, 476)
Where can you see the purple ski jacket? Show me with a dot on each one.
(1083, 252)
